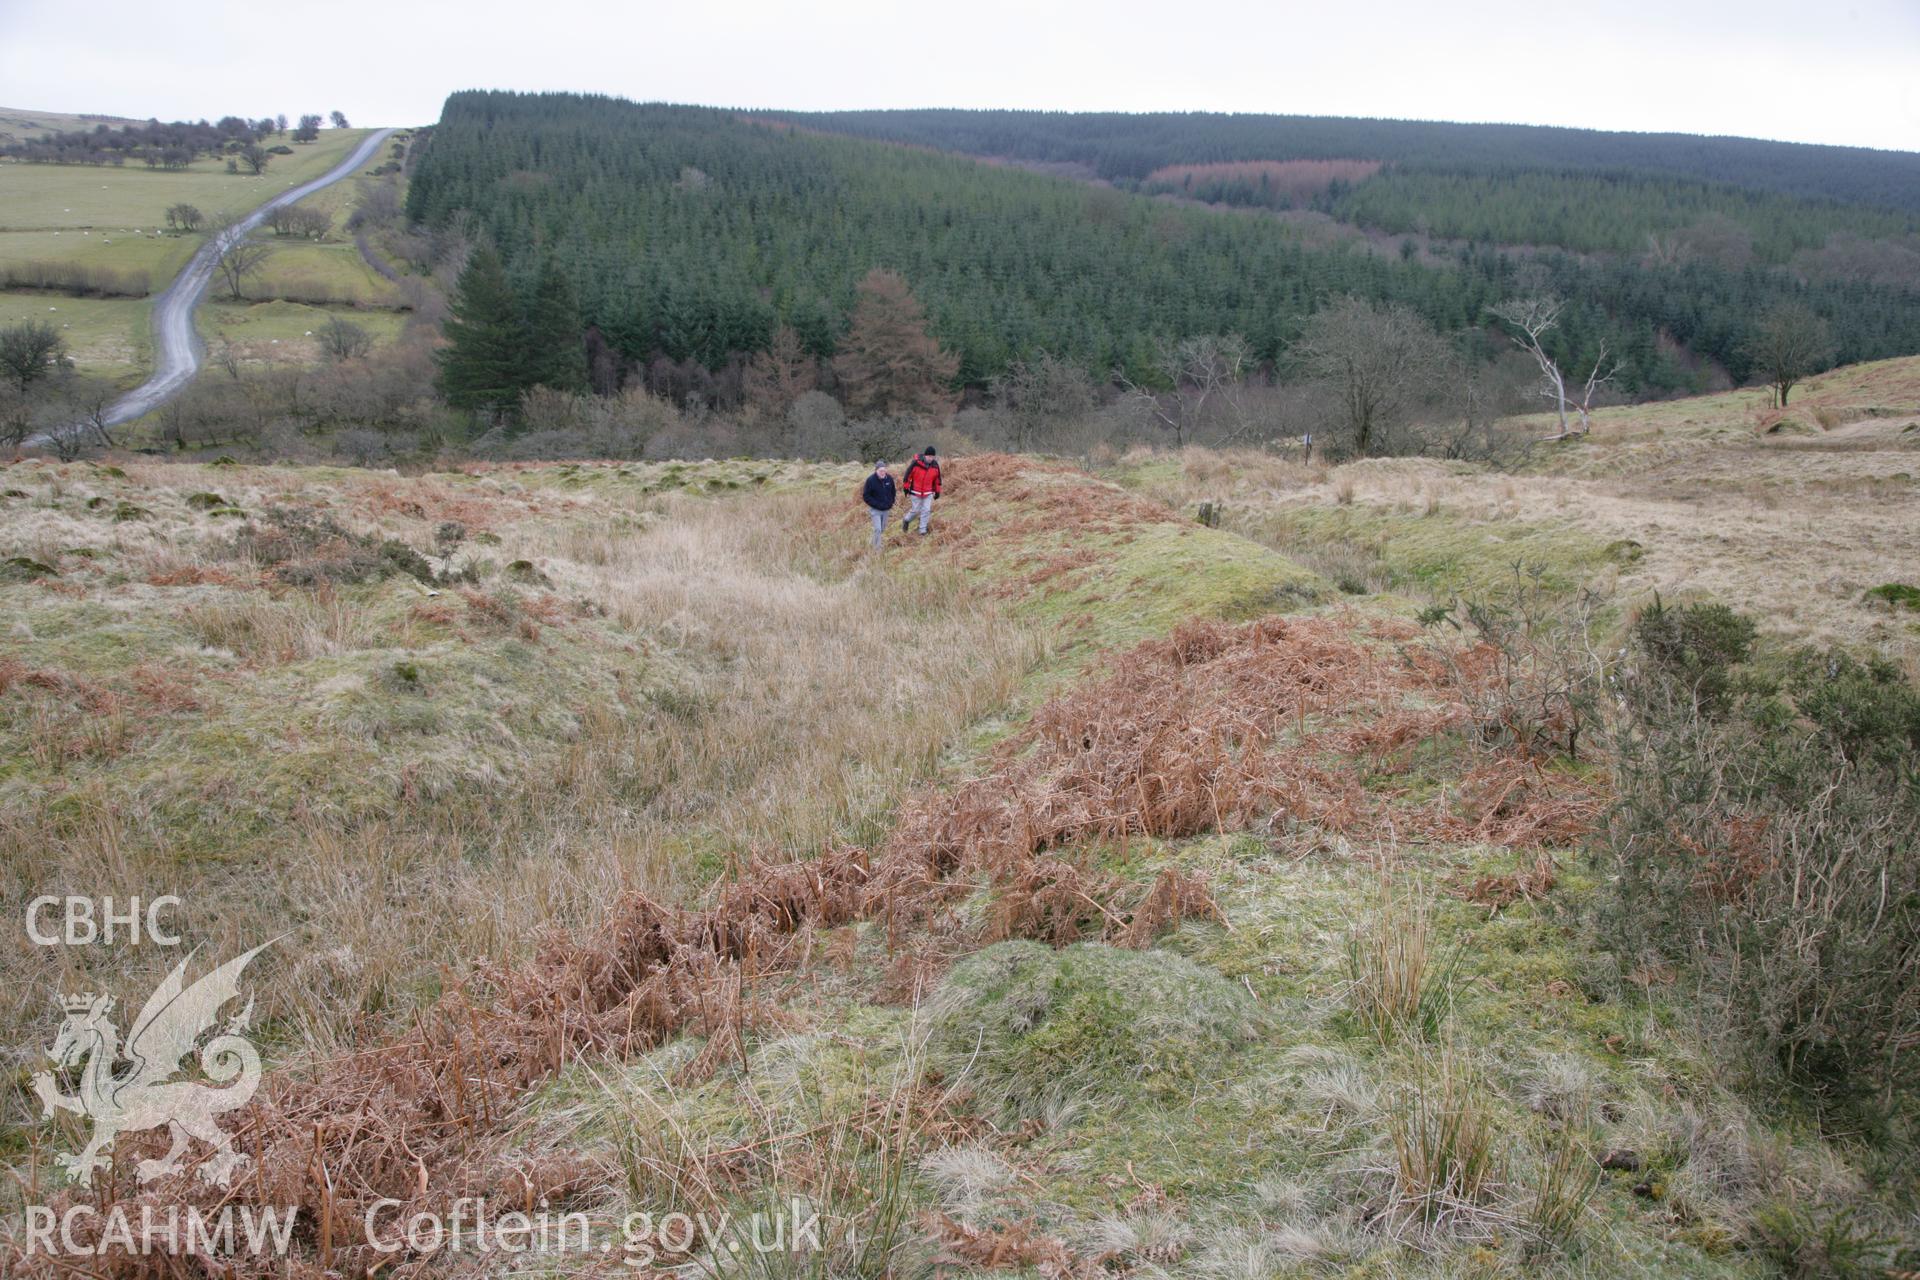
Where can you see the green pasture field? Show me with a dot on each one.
(136, 251)
(106, 337)
(114, 218)
(329, 272)
(58, 197)
(283, 331)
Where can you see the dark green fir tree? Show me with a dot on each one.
(482, 366)
(556, 350)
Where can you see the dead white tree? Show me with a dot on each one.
(1599, 376)
(1532, 319)
(92, 401)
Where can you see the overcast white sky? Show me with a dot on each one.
(1844, 71)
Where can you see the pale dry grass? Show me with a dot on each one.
(812, 697)
(292, 628)
(1792, 535)
(779, 702)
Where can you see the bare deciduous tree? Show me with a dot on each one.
(378, 204)
(30, 351)
(1484, 390)
(300, 220)
(1380, 361)
(1531, 319)
(311, 223)
(343, 340)
(242, 260)
(184, 217)
(1039, 391)
(16, 415)
(89, 400)
(1205, 373)
(339, 119)
(254, 158)
(77, 423)
(227, 356)
(1789, 343)
(1718, 239)
(1601, 375)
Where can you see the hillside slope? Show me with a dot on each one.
(85, 247)
(1577, 189)
(1079, 891)
(1802, 518)
(691, 234)
(1133, 145)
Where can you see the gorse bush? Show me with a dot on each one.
(1696, 649)
(1540, 688)
(1766, 842)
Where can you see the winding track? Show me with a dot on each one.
(176, 343)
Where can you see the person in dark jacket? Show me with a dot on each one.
(923, 488)
(878, 494)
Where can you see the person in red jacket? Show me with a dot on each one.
(922, 483)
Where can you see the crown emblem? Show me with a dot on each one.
(82, 1003)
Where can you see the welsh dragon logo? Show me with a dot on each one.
(125, 1089)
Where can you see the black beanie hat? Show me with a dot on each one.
(932, 452)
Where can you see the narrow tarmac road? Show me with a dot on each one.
(176, 343)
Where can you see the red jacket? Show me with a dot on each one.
(923, 477)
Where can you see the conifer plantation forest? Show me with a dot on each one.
(697, 234)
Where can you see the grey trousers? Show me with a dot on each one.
(919, 505)
(879, 525)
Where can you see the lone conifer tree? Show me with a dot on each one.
(556, 349)
(888, 362)
(481, 367)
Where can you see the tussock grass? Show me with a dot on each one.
(1028, 1028)
(803, 1120)
(258, 628)
(1398, 986)
(1447, 1164)
(969, 1179)
(1567, 1177)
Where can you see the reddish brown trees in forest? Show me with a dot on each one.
(888, 362)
